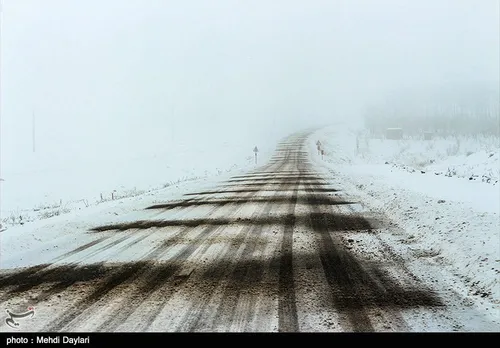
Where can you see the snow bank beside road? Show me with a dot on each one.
(434, 167)
(475, 158)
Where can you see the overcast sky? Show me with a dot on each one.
(117, 75)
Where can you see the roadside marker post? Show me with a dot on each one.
(318, 146)
(255, 150)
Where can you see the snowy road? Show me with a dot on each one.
(276, 249)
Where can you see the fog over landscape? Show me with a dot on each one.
(130, 77)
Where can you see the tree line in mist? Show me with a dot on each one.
(442, 120)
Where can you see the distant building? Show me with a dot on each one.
(394, 133)
(428, 135)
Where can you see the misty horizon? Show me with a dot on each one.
(110, 77)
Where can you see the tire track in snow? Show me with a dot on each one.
(211, 280)
(239, 273)
(153, 280)
(133, 272)
(337, 273)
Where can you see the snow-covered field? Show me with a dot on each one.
(40, 186)
(443, 195)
